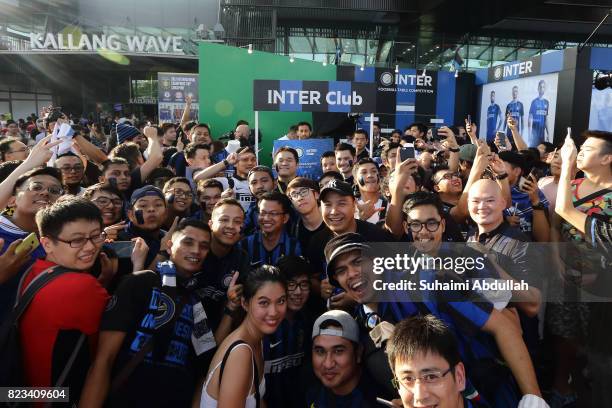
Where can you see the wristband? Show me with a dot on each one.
(225, 163)
(501, 176)
(538, 206)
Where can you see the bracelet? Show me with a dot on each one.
(225, 163)
(457, 150)
(502, 176)
(538, 206)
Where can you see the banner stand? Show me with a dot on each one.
(257, 137)
(371, 135)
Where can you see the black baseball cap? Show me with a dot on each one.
(341, 187)
(341, 244)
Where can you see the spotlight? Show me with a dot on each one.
(250, 50)
(424, 72)
(291, 59)
(362, 67)
(324, 63)
(397, 69)
(456, 74)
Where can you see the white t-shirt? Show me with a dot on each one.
(241, 190)
(376, 216)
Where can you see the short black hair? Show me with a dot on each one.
(106, 187)
(209, 183)
(228, 201)
(422, 128)
(422, 334)
(367, 160)
(166, 126)
(119, 161)
(361, 132)
(290, 150)
(51, 219)
(305, 124)
(7, 167)
(324, 155)
(130, 151)
(67, 154)
(293, 266)
(192, 148)
(5, 146)
(191, 222)
(261, 169)
(197, 125)
(175, 180)
(279, 197)
(601, 135)
(345, 146)
(385, 151)
(39, 171)
(420, 198)
(301, 182)
(159, 173)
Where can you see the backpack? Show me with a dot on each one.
(11, 369)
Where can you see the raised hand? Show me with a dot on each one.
(367, 209)
(164, 241)
(234, 293)
(112, 231)
(139, 253)
(11, 261)
(41, 152)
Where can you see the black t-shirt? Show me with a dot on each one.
(315, 251)
(363, 395)
(168, 376)
(304, 235)
(213, 283)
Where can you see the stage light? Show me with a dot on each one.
(250, 51)
(397, 69)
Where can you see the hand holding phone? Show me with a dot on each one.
(29, 243)
(407, 152)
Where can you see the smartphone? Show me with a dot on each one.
(123, 249)
(536, 173)
(521, 183)
(28, 243)
(502, 138)
(407, 152)
(469, 119)
(434, 133)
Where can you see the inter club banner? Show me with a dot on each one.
(408, 95)
(173, 90)
(309, 152)
(314, 96)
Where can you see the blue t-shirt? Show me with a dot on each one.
(538, 112)
(258, 254)
(516, 110)
(493, 114)
(522, 207)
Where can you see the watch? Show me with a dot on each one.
(502, 176)
(225, 163)
(538, 206)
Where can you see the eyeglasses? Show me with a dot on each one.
(68, 169)
(80, 242)
(181, 193)
(39, 188)
(430, 225)
(430, 378)
(272, 214)
(104, 201)
(449, 176)
(293, 285)
(23, 149)
(297, 194)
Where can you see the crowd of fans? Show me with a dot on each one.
(154, 266)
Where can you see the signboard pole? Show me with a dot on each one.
(371, 135)
(257, 137)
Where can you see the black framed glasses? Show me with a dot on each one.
(448, 176)
(181, 193)
(293, 285)
(273, 214)
(430, 225)
(39, 188)
(80, 242)
(301, 193)
(76, 169)
(430, 378)
(104, 201)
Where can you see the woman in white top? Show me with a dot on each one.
(239, 357)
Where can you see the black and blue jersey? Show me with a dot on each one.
(538, 113)
(516, 110)
(493, 117)
(259, 255)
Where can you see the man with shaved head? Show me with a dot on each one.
(508, 249)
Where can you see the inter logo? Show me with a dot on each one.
(386, 78)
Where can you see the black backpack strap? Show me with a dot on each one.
(255, 371)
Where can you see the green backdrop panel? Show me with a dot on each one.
(226, 89)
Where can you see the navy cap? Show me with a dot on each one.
(341, 244)
(341, 187)
(146, 191)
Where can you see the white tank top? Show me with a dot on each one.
(209, 402)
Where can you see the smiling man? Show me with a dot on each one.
(181, 333)
(179, 198)
(261, 181)
(272, 241)
(286, 162)
(336, 361)
(33, 190)
(73, 172)
(70, 305)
